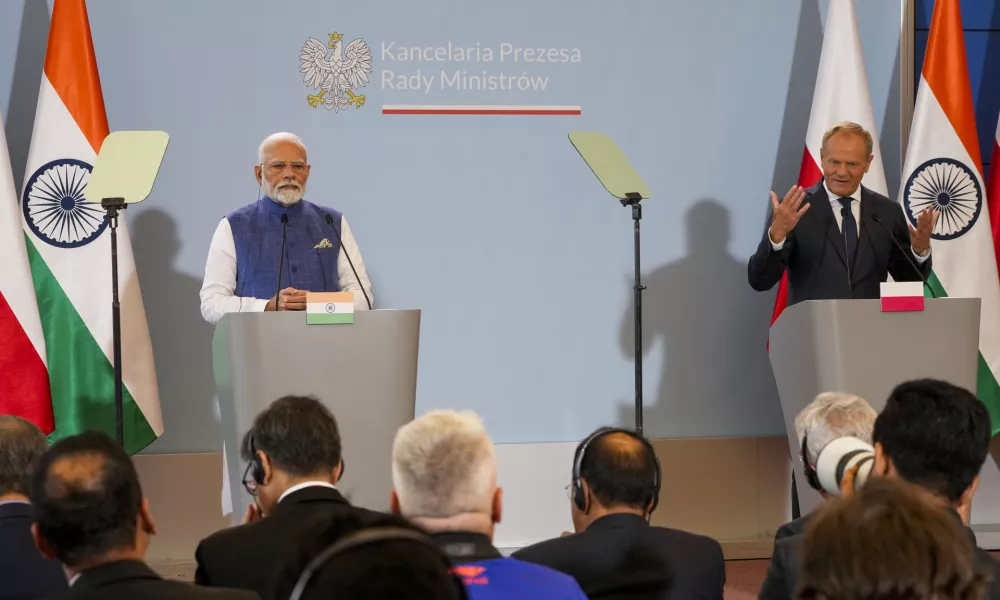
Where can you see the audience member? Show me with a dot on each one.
(294, 462)
(24, 573)
(375, 556)
(892, 540)
(830, 416)
(615, 553)
(91, 515)
(930, 433)
(445, 478)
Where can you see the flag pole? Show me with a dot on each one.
(112, 206)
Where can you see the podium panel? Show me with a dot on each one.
(852, 346)
(365, 373)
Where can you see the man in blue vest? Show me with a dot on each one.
(320, 254)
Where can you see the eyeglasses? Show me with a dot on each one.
(248, 482)
(278, 166)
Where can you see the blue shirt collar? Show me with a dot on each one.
(272, 207)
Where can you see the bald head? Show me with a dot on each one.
(21, 447)
(620, 471)
(86, 498)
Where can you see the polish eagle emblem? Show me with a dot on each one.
(337, 74)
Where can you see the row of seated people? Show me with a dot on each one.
(80, 504)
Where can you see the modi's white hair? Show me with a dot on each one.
(281, 136)
(834, 415)
(443, 465)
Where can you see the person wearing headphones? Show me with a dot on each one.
(831, 415)
(444, 476)
(293, 455)
(615, 552)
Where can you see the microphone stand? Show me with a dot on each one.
(112, 206)
(632, 199)
(281, 262)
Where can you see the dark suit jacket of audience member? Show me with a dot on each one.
(24, 573)
(786, 566)
(249, 556)
(621, 556)
(131, 580)
(792, 528)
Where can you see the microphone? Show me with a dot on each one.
(906, 253)
(329, 221)
(843, 230)
(281, 261)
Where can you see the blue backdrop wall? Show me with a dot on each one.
(491, 224)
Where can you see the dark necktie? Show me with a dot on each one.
(849, 229)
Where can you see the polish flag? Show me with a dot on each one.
(24, 378)
(841, 95)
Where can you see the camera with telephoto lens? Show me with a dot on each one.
(838, 457)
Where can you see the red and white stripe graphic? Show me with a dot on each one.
(479, 109)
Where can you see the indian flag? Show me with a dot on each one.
(324, 308)
(943, 170)
(69, 249)
(841, 94)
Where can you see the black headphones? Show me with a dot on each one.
(812, 478)
(255, 468)
(363, 538)
(580, 497)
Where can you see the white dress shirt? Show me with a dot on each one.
(218, 290)
(304, 485)
(839, 218)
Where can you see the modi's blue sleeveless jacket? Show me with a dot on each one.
(312, 247)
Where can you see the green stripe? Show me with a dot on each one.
(329, 318)
(80, 375)
(987, 388)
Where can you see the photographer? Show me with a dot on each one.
(930, 433)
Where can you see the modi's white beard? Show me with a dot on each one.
(287, 194)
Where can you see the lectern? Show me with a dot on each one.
(365, 372)
(852, 346)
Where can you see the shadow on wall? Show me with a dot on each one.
(25, 84)
(714, 328)
(182, 340)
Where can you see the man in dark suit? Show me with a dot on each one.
(615, 553)
(930, 433)
(294, 463)
(830, 238)
(91, 515)
(24, 573)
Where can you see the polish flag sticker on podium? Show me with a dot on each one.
(900, 296)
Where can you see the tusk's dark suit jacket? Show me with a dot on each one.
(815, 258)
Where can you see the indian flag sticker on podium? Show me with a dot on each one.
(899, 296)
(329, 308)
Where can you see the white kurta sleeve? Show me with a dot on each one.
(218, 289)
